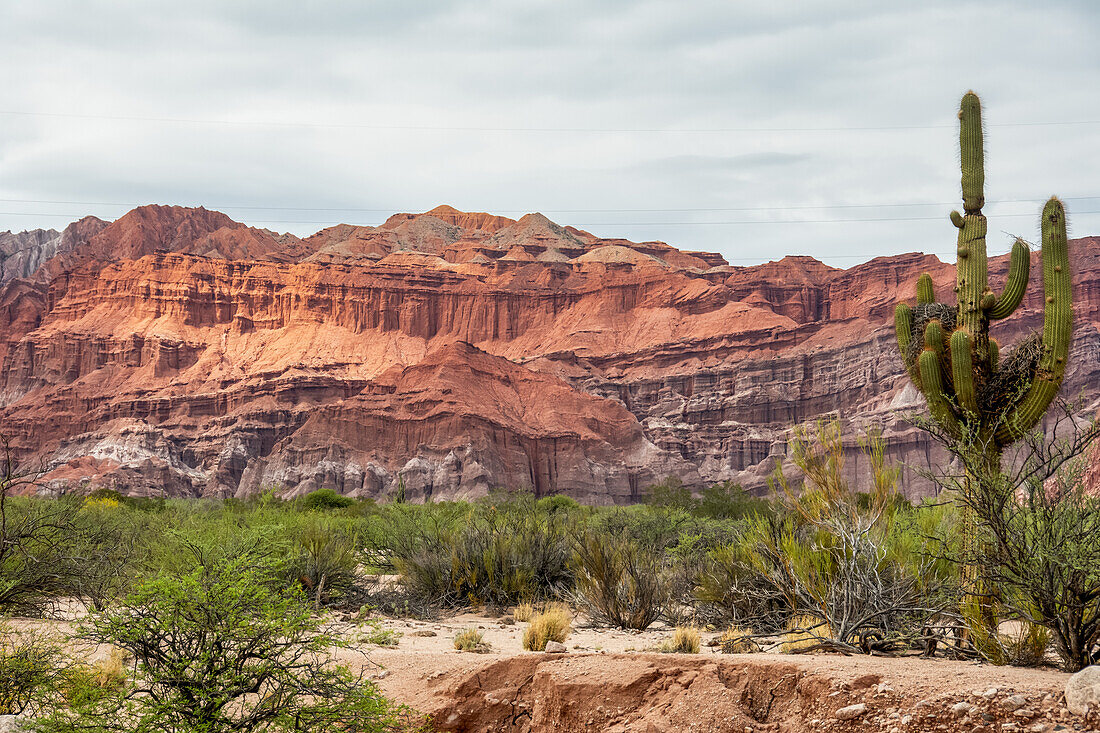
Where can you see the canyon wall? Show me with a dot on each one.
(177, 352)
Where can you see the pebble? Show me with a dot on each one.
(1015, 702)
(555, 647)
(851, 712)
(961, 708)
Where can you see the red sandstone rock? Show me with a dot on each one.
(178, 351)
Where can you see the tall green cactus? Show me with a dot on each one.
(971, 391)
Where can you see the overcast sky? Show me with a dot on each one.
(718, 125)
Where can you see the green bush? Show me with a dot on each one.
(471, 640)
(620, 581)
(325, 499)
(498, 556)
(325, 565)
(218, 650)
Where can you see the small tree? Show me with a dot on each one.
(216, 650)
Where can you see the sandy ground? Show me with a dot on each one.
(611, 680)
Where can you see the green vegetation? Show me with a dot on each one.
(471, 640)
(221, 648)
(980, 401)
(1030, 546)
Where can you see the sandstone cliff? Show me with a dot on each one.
(177, 351)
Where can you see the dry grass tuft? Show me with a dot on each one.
(804, 633)
(685, 640)
(554, 624)
(471, 640)
(526, 611)
(738, 640)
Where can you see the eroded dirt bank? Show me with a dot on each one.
(656, 693)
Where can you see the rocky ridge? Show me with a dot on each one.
(177, 351)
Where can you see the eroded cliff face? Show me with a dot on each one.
(178, 352)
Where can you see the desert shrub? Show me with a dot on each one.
(729, 501)
(493, 556)
(732, 588)
(372, 631)
(52, 549)
(557, 503)
(524, 612)
(325, 565)
(684, 640)
(325, 499)
(620, 581)
(471, 640)
(670, 494)
(552, 625)
(853, 563)
(1039, 524)
(725, 500)
(1027, 644)
(217, 649)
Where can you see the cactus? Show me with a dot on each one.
(973, 392)
(976, 395)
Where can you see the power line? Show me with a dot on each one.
(476, 128)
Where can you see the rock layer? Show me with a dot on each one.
(177, 351)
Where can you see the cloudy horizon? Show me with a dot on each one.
(742, 128)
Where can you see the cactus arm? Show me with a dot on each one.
(962, 372)
(994, 355)
(926, 292)
(1019, 270)
(1057, 328)
(935, 341)
(903, 326)
(932, 380)
(973, 153)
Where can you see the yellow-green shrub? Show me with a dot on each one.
(552, 625)
(471, 640)
(684, 640)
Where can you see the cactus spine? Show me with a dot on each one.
(973, 391)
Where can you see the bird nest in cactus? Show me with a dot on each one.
(923, 314)
(1012, 376)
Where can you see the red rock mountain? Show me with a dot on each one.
(177, 351)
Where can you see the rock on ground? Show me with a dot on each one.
(1083, 691)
